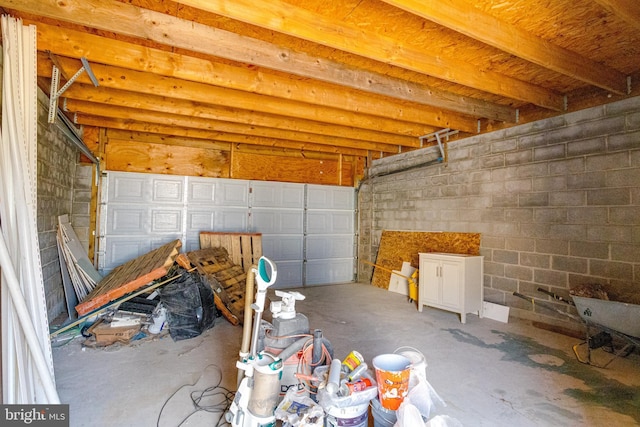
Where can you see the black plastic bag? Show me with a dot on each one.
(189, 304)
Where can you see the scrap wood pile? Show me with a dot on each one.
(161, 292)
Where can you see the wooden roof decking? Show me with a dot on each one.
(361, 78)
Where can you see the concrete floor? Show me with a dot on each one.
(488, 373)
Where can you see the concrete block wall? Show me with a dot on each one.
(557, 203)
(60, 179)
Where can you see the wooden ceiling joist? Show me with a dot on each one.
(182, 107)
(127, 55)
(137, 81)
(104, 110)
(463, 17)
(295, 21)
(126, 19)
(326, 78)
(209, 135)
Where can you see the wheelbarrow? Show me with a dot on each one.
(605, 318)
(611, 318)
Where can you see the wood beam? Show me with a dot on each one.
(176, 141)
(137, 81)
(81, 92)
(629, 10)
(117, 135)
(107, 51)
(463, 17)
(126, 19)
(105, 110)
(213, 136)
(295, 21)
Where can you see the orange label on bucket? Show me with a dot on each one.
(392, 375)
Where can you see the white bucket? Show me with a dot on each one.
(353, 416)
(418, 364)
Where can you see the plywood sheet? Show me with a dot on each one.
(130, 276)
(398, 246)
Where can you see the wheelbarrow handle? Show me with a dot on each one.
(547, 306)
(556, 296)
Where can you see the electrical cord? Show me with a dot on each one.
(215, 399)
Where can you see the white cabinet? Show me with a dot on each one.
(451, 282)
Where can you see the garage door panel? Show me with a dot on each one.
(232, 193)
(231, 220)
(119, 250)
(308, 230)
(320, 272)
(282, 248)
(200, 221)
(129, 188)
(166, 221)
(168, 191)
(330, 222)
(289, 274)
(201, 191)
(129, 220)
(330, 197)
(319, 247)
(277, 195)
(277, 221)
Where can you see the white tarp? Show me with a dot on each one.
(27, 362)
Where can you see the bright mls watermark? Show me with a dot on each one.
(34, 415)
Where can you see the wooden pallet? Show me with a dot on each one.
(245, 249)
(131, 276)
(227, 280)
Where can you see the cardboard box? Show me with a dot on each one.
(106, 334)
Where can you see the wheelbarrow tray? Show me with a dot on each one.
(617, 316)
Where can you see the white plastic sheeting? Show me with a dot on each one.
(27, 362)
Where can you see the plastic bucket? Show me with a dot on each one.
(352, 416)
(418, 364)
(382, 417)
(392, 374)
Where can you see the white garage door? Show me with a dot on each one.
(307, 230)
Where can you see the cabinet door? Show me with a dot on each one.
(451, 283)
(430, 269)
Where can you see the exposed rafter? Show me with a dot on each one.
(295, 21)
(126, 19)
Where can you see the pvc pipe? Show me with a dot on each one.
(28, 329)
(334, 376)
(246, 325)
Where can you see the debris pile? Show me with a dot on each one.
(163, 292)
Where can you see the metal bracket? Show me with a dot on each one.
(54, 93)
(437, 136)
(628, 85)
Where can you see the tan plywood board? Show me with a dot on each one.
(398, 246)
